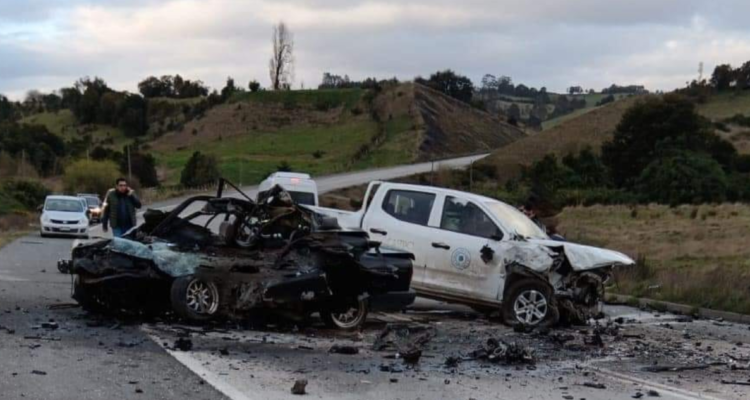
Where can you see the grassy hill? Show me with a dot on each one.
(64, 124)
(325, 131)
(590, 129)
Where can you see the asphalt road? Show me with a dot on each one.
(50, 349)
(88, 359)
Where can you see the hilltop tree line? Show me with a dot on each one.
(662, 151)
(725, 77)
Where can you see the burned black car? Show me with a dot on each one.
(224, 257)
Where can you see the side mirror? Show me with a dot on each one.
(40, 208)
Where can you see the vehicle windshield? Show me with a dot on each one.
(516, 221)
(64, 205)
(92, 202)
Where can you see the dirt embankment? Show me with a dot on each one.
(452, 127)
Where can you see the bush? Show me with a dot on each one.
(201, 169)
(591, 196)
(90, 177)
(28, 193)
(683, 177)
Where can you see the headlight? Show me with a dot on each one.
(45, 218)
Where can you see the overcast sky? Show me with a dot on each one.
(47, 44)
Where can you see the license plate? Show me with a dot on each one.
(64, 229)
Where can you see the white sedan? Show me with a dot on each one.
(64, 215)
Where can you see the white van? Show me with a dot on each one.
(301, 187)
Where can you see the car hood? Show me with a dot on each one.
(64, 216)
(539, 254)
(582, 257)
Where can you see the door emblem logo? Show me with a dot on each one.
(460, 258)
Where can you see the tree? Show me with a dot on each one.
(742, 75)
(229, 89)
(489, 82)
(7, 110)
(201, 169)
(652, 128)
(281, 64)
(683, 177)
(722, 77)
(254, 86)
(451, 84)
(143, 167)
(575, 90)
(90, 176)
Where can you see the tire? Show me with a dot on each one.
(85, 298)
(351, 320)
(195, 299)
(530, 302)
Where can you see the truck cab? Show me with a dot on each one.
(301, 187)
(482, 252)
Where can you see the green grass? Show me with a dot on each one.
(400, 145)
(321, 99)
(591, 100)
(725, 105)
(255, 155)
(64, 124)
(694, 255)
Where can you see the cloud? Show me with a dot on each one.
(47, 44)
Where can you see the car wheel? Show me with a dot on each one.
(195, 299)
(352, 317)
(530, 302)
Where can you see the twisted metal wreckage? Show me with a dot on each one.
(216, 256)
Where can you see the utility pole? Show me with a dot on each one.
(130, 168)
(432, 173)
(471, 175)
(23, 164)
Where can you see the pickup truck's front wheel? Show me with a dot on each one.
(351, 316)
(529, 302)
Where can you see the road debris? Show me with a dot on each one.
(183, 344)
(497, 350)
(406, 339)
(594, 385)
(299, 387)
(343, 349)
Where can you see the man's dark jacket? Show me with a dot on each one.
(112, 204)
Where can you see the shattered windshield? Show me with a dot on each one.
(515, 221)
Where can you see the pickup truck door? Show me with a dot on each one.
(398, 218)
(455, 265)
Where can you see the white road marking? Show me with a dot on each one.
(195, 366)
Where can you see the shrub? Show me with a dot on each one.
(684, 177)
(90, 176)
(201, 169)
(28, 193)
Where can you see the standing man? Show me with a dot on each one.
(120, 204)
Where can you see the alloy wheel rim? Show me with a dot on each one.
(530, 307)
(351, 317)
(202, 297)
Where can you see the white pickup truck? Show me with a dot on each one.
(484, 253)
